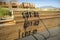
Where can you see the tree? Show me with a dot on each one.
(3, 12)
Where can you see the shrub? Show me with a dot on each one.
(3, 11)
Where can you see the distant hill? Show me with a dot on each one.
(48, 7)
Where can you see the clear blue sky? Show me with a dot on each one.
(39, 3)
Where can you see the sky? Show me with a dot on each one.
(41, 3)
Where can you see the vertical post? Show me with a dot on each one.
(19, 34)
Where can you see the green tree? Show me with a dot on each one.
(3, 11)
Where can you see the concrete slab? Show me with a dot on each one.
(54, 35)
